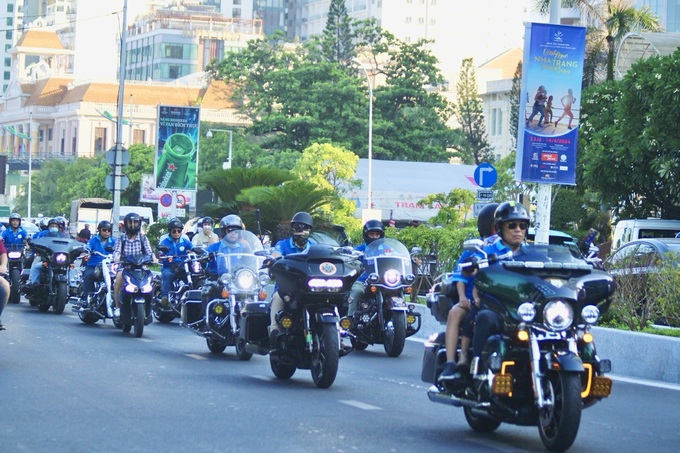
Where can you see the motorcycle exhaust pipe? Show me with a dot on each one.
(255, 349)
(437, 396)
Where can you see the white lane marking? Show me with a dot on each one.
(196, 356)
(646, 382)
(145, 340)
(360, 405)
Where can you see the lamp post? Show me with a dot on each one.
(225, 165)
(370, 132)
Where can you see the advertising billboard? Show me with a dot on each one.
(176, 160)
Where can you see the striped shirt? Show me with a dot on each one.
(127, 246)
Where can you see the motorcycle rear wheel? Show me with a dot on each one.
(60, 298)
(139, 320)
(558, 425)
(15, 280)
(216, 347)
(281, 369)
(241, 350)
(395, 340)
(325, 356)
(480, 423)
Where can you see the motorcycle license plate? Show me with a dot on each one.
(398, 302)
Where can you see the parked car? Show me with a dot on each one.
(643, 256)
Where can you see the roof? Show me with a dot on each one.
(637, 46)
(40, 39)
(506, 62)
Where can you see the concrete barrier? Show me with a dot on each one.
(633, 354)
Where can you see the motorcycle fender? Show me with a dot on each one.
(397, 304)
(565, 361)
(60, 278)
(327, 317)
(138, 300)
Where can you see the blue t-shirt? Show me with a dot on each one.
(95, 244)
(469, 280)
(178, 249)
(11, 237)
(287, 246)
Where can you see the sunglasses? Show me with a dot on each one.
(521, 225)
(175, 230)
(106, 230)
(301, 227)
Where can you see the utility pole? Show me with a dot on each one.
(118, 163)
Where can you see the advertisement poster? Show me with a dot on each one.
(150, 194)
(176, 160)
(549, 116)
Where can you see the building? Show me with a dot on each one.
(667, 10)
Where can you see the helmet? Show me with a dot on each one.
(62, 222)
(302, 217)
(485, 220)
(44, 222)
(132, 223)
(510, 210)
(231, 222)
(205, 221)
(373, 225)
(104, 224)
(174, 223)
(53, 221)
(15, 215)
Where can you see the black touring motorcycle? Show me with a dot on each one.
(312, 285)
(544, 368)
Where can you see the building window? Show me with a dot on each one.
(496, 122)
(8, 62)
(173, 51)
(8, 34)
(49, 134)
(408, 19)
(10, 22)
(236, 13)
(73, 146)
(138, 136)
(6, 75)
(41, 135)
(99, 139)
(10, 7)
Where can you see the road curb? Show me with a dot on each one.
(633, 354)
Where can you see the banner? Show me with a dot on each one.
(150, 194)
(552, 72)
(176, 160)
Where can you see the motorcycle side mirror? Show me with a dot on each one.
(163, 248)
(416, 250)
(109, 248)
(261, 253)
(473, 245)
(198, 249)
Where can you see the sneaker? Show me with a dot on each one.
(164, 302)
(449, 373)
(116, 312)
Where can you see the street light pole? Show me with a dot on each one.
(30, 131)
(370, 133)
(225, 165)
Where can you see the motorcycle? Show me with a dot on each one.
(383, 316)
(214, 312)
(15, 265)
(99, 304)
(544, 368)
(313, 285)
(58, 257)
(188, 274)
(135, 295)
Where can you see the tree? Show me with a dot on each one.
(515, 94)
(454, 207)
(337, 45)
(469, 111)
(629, 154)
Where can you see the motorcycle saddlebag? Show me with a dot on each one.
(433, 349)
(255, 322)
(192, 307)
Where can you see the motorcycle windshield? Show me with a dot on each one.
(138, 259)
(56, 244)
(385, 254)
(549, 255)
(241, 254)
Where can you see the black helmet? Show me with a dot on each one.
(303, 218)
(174, 223)
(205, 221)
(62, 222)
(485, 220)
(132, 223)
(44, 223)
(231, 222)
(373, 225)
(52, 221)
(15, 215)
(510, 210)
(104, 224)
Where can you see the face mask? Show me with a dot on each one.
(207, 229)
(54, 230)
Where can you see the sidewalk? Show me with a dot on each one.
(633, 354)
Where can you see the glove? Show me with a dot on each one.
(212, 255)
(268, 262)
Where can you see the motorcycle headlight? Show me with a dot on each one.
(147, 288)
(264, 279)
(527, 312)
(196, 267)
(392, 277)
(225, 279)
(14, 255)
(322, 284)
(60, 258)
(131, 288)
(245, 279)
(372, 279)
(558, 315)
(409, 279)
(590, 314)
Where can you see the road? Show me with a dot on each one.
(69, 387)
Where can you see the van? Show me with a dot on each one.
(632, 229)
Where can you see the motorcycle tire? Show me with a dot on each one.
(61, 298)
(358, 344)
(216, 347)
(165, 318)
(241, 352)
(139, 320)
(43, 307)
(15, 292)
(558, 425)
(281, 369)
(325, 356)
(479, 423)
(395, 339)
(88, 317)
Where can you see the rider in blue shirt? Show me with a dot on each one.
(97, 243)
(15, 234)
(179, 246)
(231, 227)
(373, 230)
(56, 228)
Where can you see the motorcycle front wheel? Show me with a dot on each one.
(60, 298)
(395, 339)
(558, 424)
(325, 356)
(139, 320)
(15, 280)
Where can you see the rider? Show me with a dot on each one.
(130, 243)
(373, 230)
(15, 234)
(511, 220)
(179, 246)
(299, 242)
(205, 235)
(97, 243)
(462, 315)
(56, 228)
(231, 227)
(4, 284)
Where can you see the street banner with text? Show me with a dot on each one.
(176, 160)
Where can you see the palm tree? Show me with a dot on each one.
(611, 20)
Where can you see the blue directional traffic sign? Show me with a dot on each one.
(485, 175)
